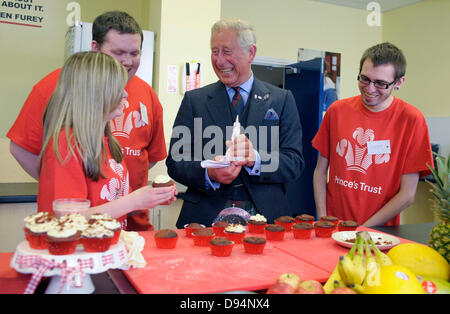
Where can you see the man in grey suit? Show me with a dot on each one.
(266, 156)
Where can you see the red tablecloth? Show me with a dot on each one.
(192, 269)
(11, 282)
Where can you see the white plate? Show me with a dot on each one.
(342, 236)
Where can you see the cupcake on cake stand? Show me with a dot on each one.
(70, 273)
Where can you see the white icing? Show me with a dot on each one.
(258, 217)
(236, 228)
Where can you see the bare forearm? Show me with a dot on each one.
(26, 159)
(145, 197)
(320, 193)
(403, 199)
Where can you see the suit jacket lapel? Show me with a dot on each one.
(218, 106)
(259, 102)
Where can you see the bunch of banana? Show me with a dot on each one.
(356, 271)
(352, 268)
(335, 279)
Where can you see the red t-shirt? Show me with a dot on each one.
(139, 131)
(142, 139)
(363, 179)
(68, 179)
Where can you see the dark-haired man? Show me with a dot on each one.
(140, 130)
(375, 146)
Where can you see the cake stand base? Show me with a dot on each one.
(55, 282)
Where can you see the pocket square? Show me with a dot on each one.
(271, 115)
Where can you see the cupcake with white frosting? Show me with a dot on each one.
(36, 227)
(96, 237)
(63, 238)
(109, 223)
(235, 233)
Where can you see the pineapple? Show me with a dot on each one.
(440, 234)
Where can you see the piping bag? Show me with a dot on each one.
(225, 161)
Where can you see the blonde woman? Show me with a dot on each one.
(80, 158)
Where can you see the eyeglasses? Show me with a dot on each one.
(364, 80)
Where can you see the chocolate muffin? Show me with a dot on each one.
(255, 240)
(276, 228)
(348, 224)
(194, 225)
(285, 219)
(324, 224)
(220, 241)
(221, 224)
(329, 218)
(203, 232)
(305, 217)
(303, 226)
(166, 233)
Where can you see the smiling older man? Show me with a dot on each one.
(248, 182)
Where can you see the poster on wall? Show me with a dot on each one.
(331, 69)
(26, 13)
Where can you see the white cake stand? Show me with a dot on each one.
(74, 270)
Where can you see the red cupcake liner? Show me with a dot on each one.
(311, 222)
(202, 240)
(342, 228)
(254, 248)
(286, 225)
(189, 231)
(94, 245)
(302, 233)
(221, 250)
(116, 237)
(37, 242)
(323, 232)
(333, 222)
(219, 231)
(235, 237)
(252, 228)
(166, 243)
(62, 247)
(274, 235)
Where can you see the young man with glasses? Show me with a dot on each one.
(375, 146)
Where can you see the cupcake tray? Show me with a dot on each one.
(70, 273)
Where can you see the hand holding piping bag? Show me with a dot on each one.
(240, 149)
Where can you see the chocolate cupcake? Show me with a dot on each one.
(286, 221)
(332, 219)
(166, 239)
(323, 229)
(189, 228)
(274, 232)
(162, 181)
(36, 227)
(202, 236)
(254, 245)
(305, 218)
(348, 225)
(235, 233)
(302, 230)
(219, 228)
(62, 239)
(221, 247)
(257, 223)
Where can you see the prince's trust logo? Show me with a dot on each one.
(357, 158)
(355, 151)
(123, 125)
